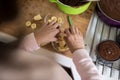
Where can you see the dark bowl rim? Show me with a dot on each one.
(105, 13)
(73, 6)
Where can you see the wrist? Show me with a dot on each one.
(37, 38)
(77, 47)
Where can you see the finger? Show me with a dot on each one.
(46, 24)
(56, 25)
(53, 39)
(52, 23)
(72, 29)
(68, 32)
(76, 30)
(80, 33)
(55, 31)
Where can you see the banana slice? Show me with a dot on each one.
(60, 20)
(33, 26)
(28, 24)
(37, 17)
(49, 21)
(62, 44)
(63, 49)
(43, 44)
(54, 18)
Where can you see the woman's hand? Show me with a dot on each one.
(74, 39)
(47, 33)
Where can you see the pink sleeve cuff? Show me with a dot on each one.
(29, 43)
(82, 53)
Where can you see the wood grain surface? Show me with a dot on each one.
(29, 8)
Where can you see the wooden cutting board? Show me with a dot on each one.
(29, 8)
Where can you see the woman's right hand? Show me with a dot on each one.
(74, 39)
(47, 33)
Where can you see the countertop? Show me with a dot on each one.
(29, 8)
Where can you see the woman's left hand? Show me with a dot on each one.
(47, 33)
(74, 39)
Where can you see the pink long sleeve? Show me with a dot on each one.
(85, 66)
(29, 43)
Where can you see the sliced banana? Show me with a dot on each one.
(63, 49)
(33, 26)
(66, 48)
(49, 21)
(43, 44)
(62, 44)
(54, 18)
(28, 24)
(60, 20)
(37, 17)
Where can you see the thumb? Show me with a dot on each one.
(54, 39)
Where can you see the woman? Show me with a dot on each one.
(18, 62)
(27, 66)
